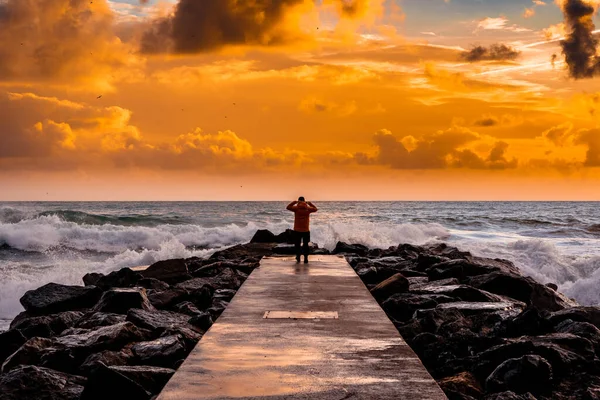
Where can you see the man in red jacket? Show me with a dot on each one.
(302, 210)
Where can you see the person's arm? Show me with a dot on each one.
(312, 208)
(290, 206)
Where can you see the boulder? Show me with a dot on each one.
(36, 383)
(120, 301)
(463, 383)
(581, 329)
(170, 271)
(243, 251)
(10, 341)
(154, 284)
(190, 337)
(521, 288)
(112, 337)
(578, 314)
(442, 250)
(460, 292)
(168, 298)
(224, 294)
(153, 379)
(434, 286)
(29, 353)
(530, 373)
(91, 278)
(370, 274)
(552, 286)
(510, 396)
(346, 248)
(203, 321)
(106, 357)
(94, 320)
(505, 309)
(285, 237)
(123, 278)
(564, 352)
(263, 236)
(47, 325)
(530, 322)
(107, 383)
(396, 284)
(402, 306)
(162, 352)
(470, 266)
(55, 298)
(158, 321)
(187, 308)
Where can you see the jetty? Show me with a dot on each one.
(302, 331)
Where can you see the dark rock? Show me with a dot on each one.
(346, 248)
(107, 357)
(224, 294)
(263, 236)
(162, 352)
(396, 284)
(442, 250)
(564, 352)
(460, 292)
(170, 271)
(530, 322)
(74, 331)
(510, 396)
(47, 325)
(552, 286)
(91, 278)
(581, 329)
(107, 383)
(524, 289)
(402, 306)
(578, 314)
(530, 373)
(285, 237)
(463, 383)
(168, 298)
(29, 353)
(203, 321)
(190, 337)
(55, 298)
(153, 379)
(200, 291)
(10, 341)
(154, 284)
(425, 261)
(158, 321)
(187, 308)
(120, 301)
(242, 251)
(505, 309)
(217, 308)
(471, 266)
(432, 287)
(35, 383)
(98, 319)
(124, 278)
(112, 337)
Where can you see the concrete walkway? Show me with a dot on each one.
(257, 350)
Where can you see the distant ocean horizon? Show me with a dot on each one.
(42, 242)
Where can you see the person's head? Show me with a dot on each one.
(301, 198)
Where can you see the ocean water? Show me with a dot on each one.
(43, 242)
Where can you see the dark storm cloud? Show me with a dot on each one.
(579, 47)
(197, 26)
(496, 52)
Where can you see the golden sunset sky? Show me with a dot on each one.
(270, 99)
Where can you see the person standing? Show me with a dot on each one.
(302, 210)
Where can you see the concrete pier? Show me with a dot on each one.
(296, 331)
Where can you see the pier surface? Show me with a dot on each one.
(296, 331)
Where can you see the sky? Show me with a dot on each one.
(272, 99)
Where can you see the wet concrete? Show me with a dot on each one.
(359, 355)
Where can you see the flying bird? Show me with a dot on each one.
(99, 97)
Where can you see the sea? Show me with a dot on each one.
(42, 242)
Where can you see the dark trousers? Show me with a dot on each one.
(299, 237)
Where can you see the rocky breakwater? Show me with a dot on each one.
(482, 329)
(121, 335)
